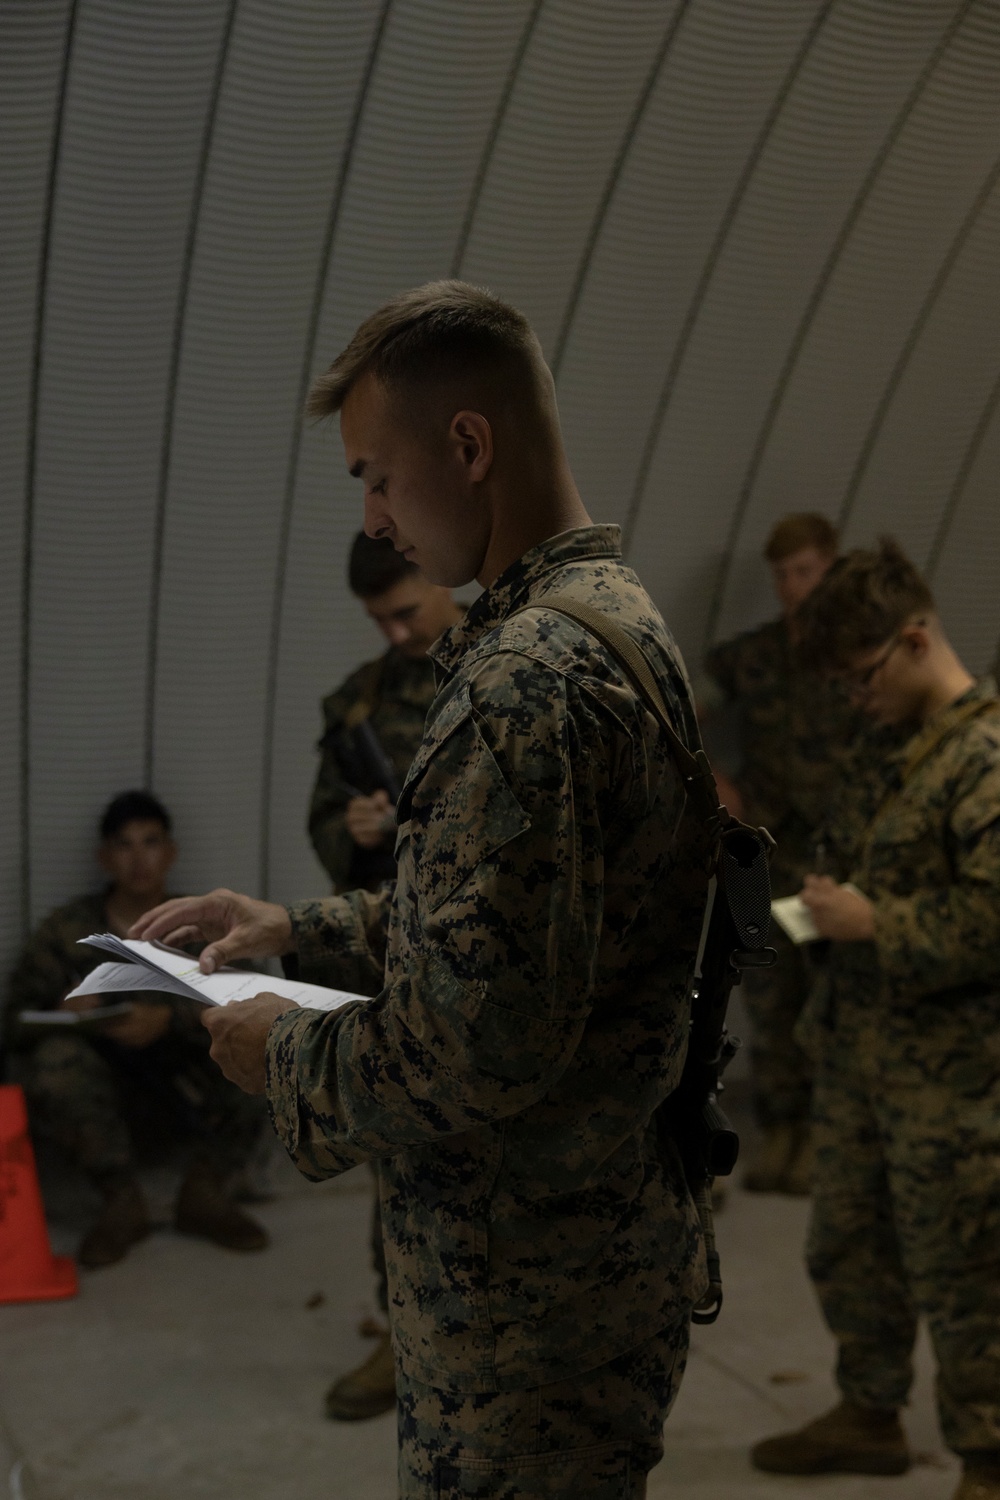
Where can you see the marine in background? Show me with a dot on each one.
(373, 725)
(906, 1102)
(374, 721)
(103, 1091)
(796, 733)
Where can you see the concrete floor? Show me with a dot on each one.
(188, 1373)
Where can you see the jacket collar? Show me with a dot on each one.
(519, 583)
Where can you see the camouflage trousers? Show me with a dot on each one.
(594, 1437)
(100, 1102)
(781, 1071)
(906, 1208)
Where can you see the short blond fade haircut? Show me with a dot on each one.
(802, 529)
(445, 333)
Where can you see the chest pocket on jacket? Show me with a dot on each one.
(457, 807)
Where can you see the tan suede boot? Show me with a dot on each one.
(798, 1177)
(205, 1208)
(123, 1221)
(980, 1481)
(848, 1440)
(367, 1391)
(771, 1160)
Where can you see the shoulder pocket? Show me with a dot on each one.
(457, 807)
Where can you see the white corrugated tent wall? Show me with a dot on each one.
(759, 242)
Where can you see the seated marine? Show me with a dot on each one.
(101, 1090)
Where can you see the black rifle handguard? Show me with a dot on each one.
(734, 939)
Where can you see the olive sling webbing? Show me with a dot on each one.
(694, 767)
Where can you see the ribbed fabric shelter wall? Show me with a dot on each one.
(759, 242)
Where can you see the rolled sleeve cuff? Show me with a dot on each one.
(281, 1069)
(292, 1068)
(322, 928)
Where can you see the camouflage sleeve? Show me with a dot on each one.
(348, 931)
(327, 828)
(333, 844)
(939, 939)
(500, 905)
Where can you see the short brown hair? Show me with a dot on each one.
(436, 333)
(864, 600)
(803, 529)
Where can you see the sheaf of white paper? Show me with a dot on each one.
(157, 968)
(793, 915)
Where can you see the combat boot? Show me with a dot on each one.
(205, 1208)
(980, 1480)
(848, 1440)
(798, 1177)
(766, 1172)
(367, 1391)
(123, 1221)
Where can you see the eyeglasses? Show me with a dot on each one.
(860, 682)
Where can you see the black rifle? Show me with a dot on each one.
(734, 936)
(365, 768)
(362, 762)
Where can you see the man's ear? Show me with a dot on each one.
(472, 438)
(171, 858)
(917, 639)
(104, 857)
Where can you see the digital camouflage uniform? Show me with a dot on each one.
(799, 735)
(95, 1098)
(906, 1211)
(393, 693)
(538, 953)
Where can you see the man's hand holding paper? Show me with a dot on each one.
(233, 926)
(239, 1037)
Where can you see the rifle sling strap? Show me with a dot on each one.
(635, 664)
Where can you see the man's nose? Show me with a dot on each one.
(376, 520)
(397, 632)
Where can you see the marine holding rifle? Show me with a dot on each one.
(799, 736)
(906, 1102)
(536, 958)
(373, 725)
(374, 722)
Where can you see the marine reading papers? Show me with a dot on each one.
(151, 966)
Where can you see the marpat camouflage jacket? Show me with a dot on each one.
(394, 692)
(930, 862)
(539, 950)
(804, 745)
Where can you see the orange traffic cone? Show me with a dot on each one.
(29, 1272)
